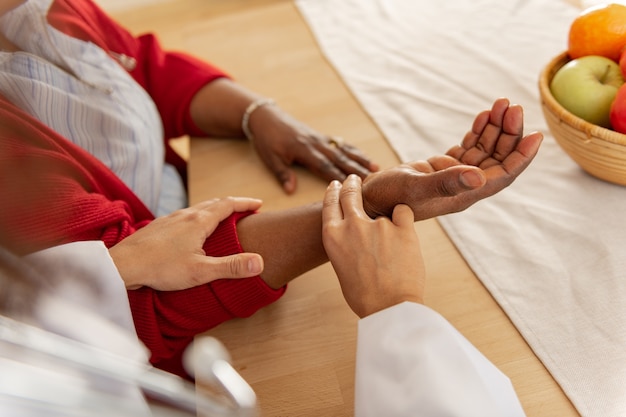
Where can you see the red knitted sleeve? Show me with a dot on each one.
(168, 321)
(54, 192)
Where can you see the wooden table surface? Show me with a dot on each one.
(298, 354)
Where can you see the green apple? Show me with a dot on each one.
(587, 86)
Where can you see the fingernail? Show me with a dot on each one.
(255, 266)
(472, 179)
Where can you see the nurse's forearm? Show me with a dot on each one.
(290, 241)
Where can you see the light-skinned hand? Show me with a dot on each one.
(167, 254)
(378, 261)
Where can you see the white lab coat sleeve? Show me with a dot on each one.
(83, 275)
(412, 362)
(84, 298)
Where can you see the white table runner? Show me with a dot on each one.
(552, 247)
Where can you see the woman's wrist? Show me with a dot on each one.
(252, 107)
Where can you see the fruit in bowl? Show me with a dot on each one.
(599, 151)
(598, 30)
(618, 107)
(583, 93)
(587, 87)
(618, 111)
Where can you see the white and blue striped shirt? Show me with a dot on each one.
(78, 90)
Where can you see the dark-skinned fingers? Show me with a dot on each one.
(424, 166)
(529, 145)
(486, 128)
(497, 140)
(359, 157)
(526, 151)
(348, 165)
(289, 181)
(337, 154)
(282, 171)
(323, 167)
(506, 144)
(493, 116)
(513, 122)
(459, 179)
(440, 162)
(328, 171)
(483, 147)
(286, 177)
(471, 137)
(330, 164)
(488, 140)
(512, 132)
(456, 152)
(498, 110)
(501, 174)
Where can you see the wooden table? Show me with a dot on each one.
(298, 354)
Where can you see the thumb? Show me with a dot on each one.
(402, 216)
(242, 265)
(458, 179)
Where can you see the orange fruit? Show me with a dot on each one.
(598, 30)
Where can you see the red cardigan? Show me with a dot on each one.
(54, 192)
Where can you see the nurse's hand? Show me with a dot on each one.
(167, 254)
(378, 261)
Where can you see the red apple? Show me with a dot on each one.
(622, 62)
(618, 110)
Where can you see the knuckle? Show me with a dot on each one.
(331, 233)
(330, 226)
(446, 189)
(325, 165)
(233, 266)
(349, 188)
(330, 201)
(192, 215)
(196, 275)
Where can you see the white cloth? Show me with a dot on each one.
(411, 362)
(550, 248)
(79, 91)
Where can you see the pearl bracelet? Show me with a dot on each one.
(249, 110)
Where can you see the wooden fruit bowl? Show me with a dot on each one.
(599, 151)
